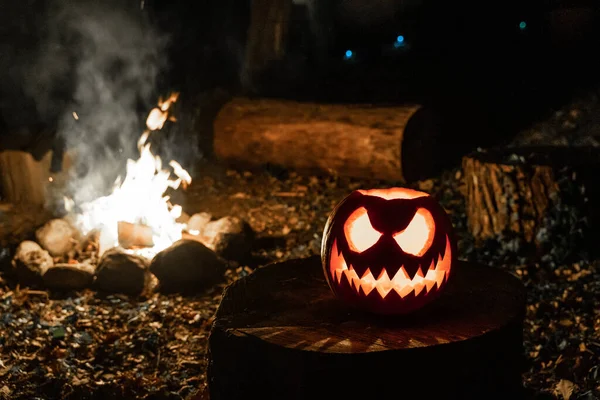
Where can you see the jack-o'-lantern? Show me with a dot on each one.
(389, 251)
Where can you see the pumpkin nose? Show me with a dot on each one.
(392, 255)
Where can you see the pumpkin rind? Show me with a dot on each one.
(383, 278)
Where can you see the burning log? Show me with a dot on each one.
(394, 143)
(281, 333)
(520, 192)
(134, 235)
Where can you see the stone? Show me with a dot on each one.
(187, 266)
(31, 262)
(121, 272)
(66, 276)
(58, 237)
(230, 237)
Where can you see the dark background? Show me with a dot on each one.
(470, 60)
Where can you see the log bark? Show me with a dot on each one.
(281, 333)
(514, 191)
(396, 143)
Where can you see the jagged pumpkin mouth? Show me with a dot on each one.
(433, 279)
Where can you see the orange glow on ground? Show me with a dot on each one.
(394, 193)
(418, 235)
(359, 232)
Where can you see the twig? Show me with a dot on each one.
(289, 194)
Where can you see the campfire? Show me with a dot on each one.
(115, 240)
(138, 214)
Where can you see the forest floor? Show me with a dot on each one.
(92, 345)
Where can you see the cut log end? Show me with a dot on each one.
(280, 333)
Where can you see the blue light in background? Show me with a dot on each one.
(522, 25)
(400, 42)
(348, 55)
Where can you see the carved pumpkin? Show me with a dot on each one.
(389, 251)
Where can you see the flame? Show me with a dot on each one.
(140, 198)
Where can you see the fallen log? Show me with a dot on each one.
(517, 192)
(134, 235)
(281, 333)
(396, 143)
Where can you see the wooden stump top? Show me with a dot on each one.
(289, 304)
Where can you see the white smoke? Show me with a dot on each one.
(115, 57)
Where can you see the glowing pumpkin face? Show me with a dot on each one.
(389, 251)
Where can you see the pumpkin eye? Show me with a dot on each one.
(359, 232)
(418, 235)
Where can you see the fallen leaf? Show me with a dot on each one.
(565, 388)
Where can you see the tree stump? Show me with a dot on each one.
(24, 179)
(396, 143)
(517, 191)
(280, 333)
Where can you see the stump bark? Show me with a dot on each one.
(24, 179)
(281, 333)
(27, 180)
(514, 191)
(396, 143)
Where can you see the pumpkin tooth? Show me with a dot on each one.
(338, 275)
(430, 277)
(353, 277)
(401, 279)
(368, 282)
(445, 262)
(440, 278)
(405, 290)
(418, 281)
(384, 284)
